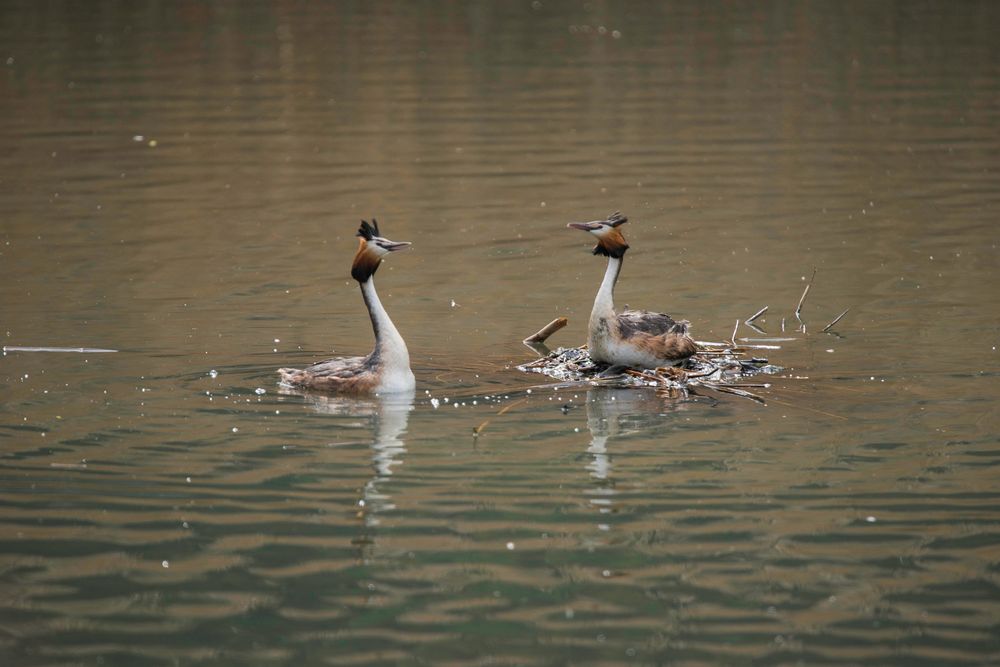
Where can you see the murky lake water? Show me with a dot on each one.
(182, 182)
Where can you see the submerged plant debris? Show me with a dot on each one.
(717, 366)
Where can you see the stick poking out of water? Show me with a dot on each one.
(542, 334)
(479, 429)
(760, 312)
(835, 320)
(84, 350)
(802, 299)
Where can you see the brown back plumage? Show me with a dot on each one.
(668, 346)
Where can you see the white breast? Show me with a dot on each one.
(395, 381)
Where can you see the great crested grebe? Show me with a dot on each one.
(387, 368)
(636, 338)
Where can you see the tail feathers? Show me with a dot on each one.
(680, 327)
(291, 376)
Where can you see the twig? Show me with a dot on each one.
(755, 315)
(546, 331)
(803, 407)
(798, 308)
(711, 371)
(479, 429)
(726, 389)
(732, 338)
(85, 350)
(835, 320)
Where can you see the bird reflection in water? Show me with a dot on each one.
(613, 413)
(389, 416)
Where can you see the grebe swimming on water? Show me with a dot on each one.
(387, 368)
(636, 338)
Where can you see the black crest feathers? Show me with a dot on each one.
(616, 219)
(611, 250)
(368, 231)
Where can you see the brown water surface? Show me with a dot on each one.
(182, 181)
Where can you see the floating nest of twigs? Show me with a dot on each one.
(717, 367)
(728, 368)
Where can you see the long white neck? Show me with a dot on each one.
(389, 345)
(604, 304)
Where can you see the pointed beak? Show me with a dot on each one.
(392, 246)
(585, 226)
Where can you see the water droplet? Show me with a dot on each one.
(213, 373)
(510, 546)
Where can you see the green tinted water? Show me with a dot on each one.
(182, 183)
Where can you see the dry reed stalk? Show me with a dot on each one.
(802, 299)
(542, 334)
(479, 429)
(760, 312)
(835, 320)
(84, 350)
(728, 389)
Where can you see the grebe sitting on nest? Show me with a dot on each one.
(636, 338)
(387, 368)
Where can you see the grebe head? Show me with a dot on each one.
(372, 247)
(610, 241)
